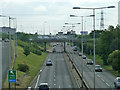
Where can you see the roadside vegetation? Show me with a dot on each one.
(107, 48)
(29, 60)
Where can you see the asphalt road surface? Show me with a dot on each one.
(5, 59)
(0, 65)
(57, 75)
(102, 79)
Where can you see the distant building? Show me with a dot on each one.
(43, 36)
(60, 33)
(84, 32)
(7, 30)
(71, 32)
(119, 13)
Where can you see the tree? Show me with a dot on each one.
(114, 60)
(26, 50)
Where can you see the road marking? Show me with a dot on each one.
(103, 80)
(107, 84)
(54, 75)
(37, 81)
(98, 75)
(54, 80)
(59, 86)
(54, 84)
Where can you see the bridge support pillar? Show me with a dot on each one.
(45, 47)
(64, 47)
(74, 43)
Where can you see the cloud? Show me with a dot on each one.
(40, 8)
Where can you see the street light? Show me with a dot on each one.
(81, 40)
(44, 26)
(72, 26)
(94, 28)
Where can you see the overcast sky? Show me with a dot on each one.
(50, 15)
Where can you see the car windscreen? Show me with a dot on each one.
(97, 66)
(43, 86)
(118, 80)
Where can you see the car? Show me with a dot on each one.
(117, 82)
(43, 86)
(49, 62)
(75, 48)
(98, 68)
(90, 62)
(80, 54)
(84, 57)
(6, 40)
(54, 50)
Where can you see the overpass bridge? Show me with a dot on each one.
(62, 40)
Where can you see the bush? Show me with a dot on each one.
(26, 50)
(38, 52)
(23, 67)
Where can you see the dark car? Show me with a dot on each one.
(75, 48)
(84, 57)
(49, 62)
(98, 68)
(43, 86)
(117, 82)
(90, 62)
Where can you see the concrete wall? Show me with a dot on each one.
(0, 60)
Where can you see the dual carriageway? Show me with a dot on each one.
(60, 75)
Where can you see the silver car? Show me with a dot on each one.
(98, 68)
(117, 82)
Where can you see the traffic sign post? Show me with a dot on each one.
(12, 77)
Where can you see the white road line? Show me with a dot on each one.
(54, 75)
(59, 86)
(107, 84)
(54, 80)
(98, 75)
(103, 80)
(54, 84)
(37, 81)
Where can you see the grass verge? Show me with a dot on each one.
(34, 62)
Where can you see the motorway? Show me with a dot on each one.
(0, 64)
(102, 79)
(57, 76)
(5, 59)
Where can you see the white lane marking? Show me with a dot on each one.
(59, 86)
(98, 75)
(107, 84)
(54, 84)
(54, 75)
(37, 81)
(103, 80)
(54, 80)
